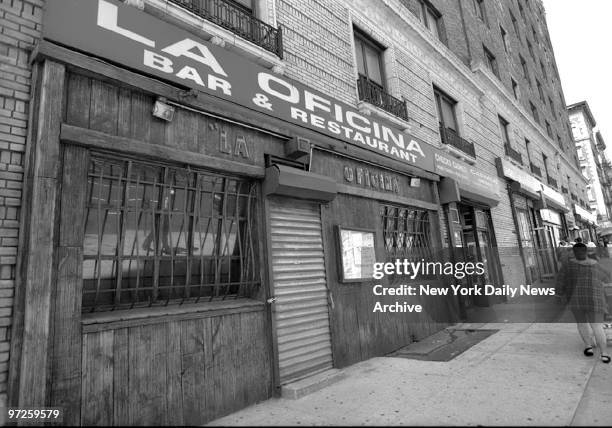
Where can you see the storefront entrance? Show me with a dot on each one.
(300, 291)
(475, 242)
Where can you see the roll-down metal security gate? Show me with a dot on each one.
(300, 289)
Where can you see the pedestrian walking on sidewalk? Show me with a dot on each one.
(582, 281)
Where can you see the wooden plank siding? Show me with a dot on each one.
(161, 369)
(115, 111)
(175, 373)
(357, 332)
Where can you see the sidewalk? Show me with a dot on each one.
(524, 374)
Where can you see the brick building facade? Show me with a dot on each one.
(473, 83)
(21, 25)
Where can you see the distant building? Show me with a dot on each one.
(590, 148)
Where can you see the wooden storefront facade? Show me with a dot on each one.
(177, 270)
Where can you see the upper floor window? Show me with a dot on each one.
(521, 10)
(535, 34)
(369, 58)
(445, 106)
(543, 70)
(430, 17)
(515, 89)
(534, 112)
(491, 61)
(530, 48)
(525, 69)
(548, 129)
(540, 91)
(503, 126)
(504, 37)
(371, 84)
(515, 25)
(481, 12)
(551, 103)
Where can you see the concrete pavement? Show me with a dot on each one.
(525, 374)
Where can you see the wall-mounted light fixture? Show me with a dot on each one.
(163, 110)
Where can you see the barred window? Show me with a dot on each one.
(156, 234)
(407, 233)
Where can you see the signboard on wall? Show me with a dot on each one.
(531, 184)
(357, 254)
(468, 177)
(132, 38)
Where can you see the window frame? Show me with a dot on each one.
(534, 112)
(491, 61)
(481, 11)
(515, 88)
(439, 96)
(525, 69)
(504, 36)
(426, 9)
(367, 41)
(503, 126)
(167, 202)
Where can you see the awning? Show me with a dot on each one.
(286, 181)
(605, 231)
(452, 191)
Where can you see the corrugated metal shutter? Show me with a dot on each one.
(300, 288)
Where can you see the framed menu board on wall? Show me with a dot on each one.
(357, 254)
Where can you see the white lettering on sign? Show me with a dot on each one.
(107, 18)
(162, 63)
(185, 48)
(174, 54)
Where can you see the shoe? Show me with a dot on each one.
(605, 359)
(588, 351)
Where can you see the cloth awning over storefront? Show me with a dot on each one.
(585, 215)
(605, 231)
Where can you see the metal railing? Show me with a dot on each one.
(537, 171)
(449, 136)
(552, 182)
(239, 21)
(513, 154)
(373, 93)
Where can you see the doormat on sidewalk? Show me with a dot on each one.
(442, 346)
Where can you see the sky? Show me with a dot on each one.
(581, 36)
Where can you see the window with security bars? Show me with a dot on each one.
(407, 233)
(158, 235)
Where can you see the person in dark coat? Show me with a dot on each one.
(582, 281)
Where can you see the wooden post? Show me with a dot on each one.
(33, 376)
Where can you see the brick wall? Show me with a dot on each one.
(21, 24)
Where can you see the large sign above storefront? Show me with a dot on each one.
(132, 38)
(532, 185)
(471, 181)
(585, 215)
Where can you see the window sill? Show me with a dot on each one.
(101, 321)
(368, 109)
(216, 35)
